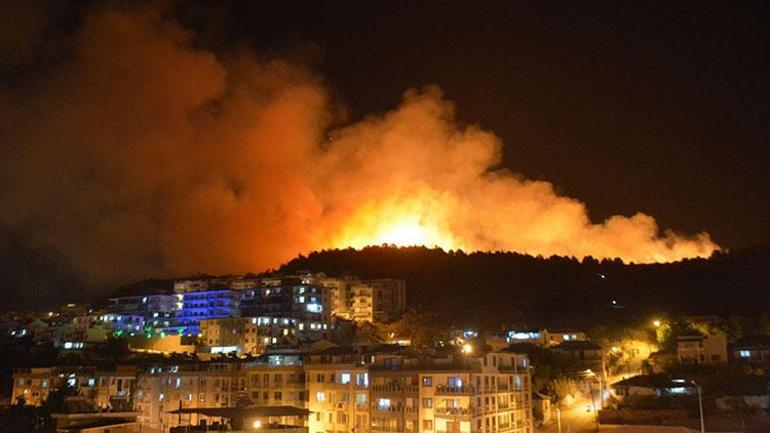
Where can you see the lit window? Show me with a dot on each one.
(383, 403)
(362, 380)
(320, 396)
(345, 378)
(427, 381)
(745, 354)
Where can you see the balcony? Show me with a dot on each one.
(395, 388)
(455, 390)
(442, 412)
(386, 429)
(388, 409)
(270, 428)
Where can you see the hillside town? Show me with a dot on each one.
(311, 353)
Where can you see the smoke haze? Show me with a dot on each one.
(142, 155)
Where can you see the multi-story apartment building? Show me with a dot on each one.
(152, 312)
(382, 391)
(112, 389)
(388, 299)
(381, 300)
(247, 334)
(109, 389)
(338, 391)
(211, 303)
(161, 389)
(31, 386)
(270, 384)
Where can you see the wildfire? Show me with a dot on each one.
(397, 223)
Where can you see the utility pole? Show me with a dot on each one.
(558, 419)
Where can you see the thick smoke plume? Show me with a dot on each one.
(142, 155)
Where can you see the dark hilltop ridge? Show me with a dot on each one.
(505, 288)
(497, 288)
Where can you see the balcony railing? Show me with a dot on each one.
(386, 429)
(413, 389)
(387, 388)
(454, 390)
(453, 411)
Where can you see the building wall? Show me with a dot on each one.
(490, 394)
(163, 389)
(33, 385)
(706, 349)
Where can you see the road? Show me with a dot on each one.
(580, 418)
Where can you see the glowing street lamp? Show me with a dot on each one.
(656, 323)
(257, 424)
(467, 349)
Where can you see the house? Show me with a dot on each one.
(699, 348)
(752, 349)
(650, 385)
(544, 337)
(588, 354)
(661, 361)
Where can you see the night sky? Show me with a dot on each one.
(628, 106)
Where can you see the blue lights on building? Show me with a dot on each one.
(207, 304)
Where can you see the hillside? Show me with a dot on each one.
(496, 288)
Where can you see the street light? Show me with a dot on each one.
(700, 406)
(589, 373)
(257, 424)
(656, 323)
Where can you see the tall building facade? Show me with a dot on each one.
(381, 392)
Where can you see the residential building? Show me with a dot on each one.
(31, 386)
(277, 384)
(588, 354)
(544, 337)
(151, 312)
(376, 301)
(389, 389)
(211, 303)
(80, 414)
(561, 336)
(388, 299)
(163, 388)
(657, 385)
(752, 349)
(247, 334)
(710, 348)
